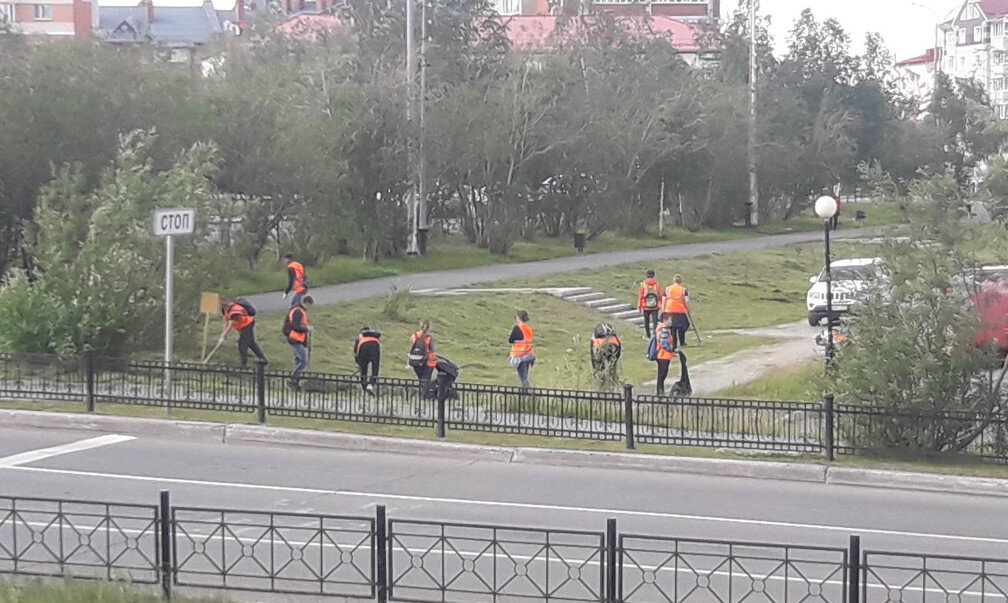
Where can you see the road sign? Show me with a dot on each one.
(174, 221)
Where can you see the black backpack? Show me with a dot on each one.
(241, 301)
(418, 352)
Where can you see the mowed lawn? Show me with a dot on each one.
(733, 290)
(472, 330)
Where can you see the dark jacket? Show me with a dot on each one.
(445, 366)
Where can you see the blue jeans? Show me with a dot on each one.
(522, 364)
(300, 358)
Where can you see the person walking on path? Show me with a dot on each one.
(522, 356)
(297, 330)
(239, 315)
(367, 354)
(666, 348)
(422, 357)
(649, 301)
(678, 307)
(297, 280)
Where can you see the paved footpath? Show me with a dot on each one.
(446, 279)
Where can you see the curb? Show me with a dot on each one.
(222, 433)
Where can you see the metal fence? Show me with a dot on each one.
(382, 559)
(767, 425)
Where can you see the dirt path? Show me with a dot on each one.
(793, 343)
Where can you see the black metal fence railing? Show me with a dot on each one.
(45, 537)
(274, 552)
(768, 425)
(382, 559)
(656, 569)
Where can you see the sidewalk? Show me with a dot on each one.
(447, 279)
(244, 434)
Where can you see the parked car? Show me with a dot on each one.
(851, 278)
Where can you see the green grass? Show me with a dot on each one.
(951, 466)
(803, 381)
(472, 330)
(79, 591)
(452, 251)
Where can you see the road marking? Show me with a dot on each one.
(13, 461)
(513, 505)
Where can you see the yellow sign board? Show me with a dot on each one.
(209, 303)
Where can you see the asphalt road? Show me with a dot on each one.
(306, 480)
(446, 279)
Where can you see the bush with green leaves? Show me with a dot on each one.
(97, 272)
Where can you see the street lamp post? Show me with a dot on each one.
(826, 208)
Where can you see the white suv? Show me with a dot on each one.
(850, 278)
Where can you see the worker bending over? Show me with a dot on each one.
(367, 354)
(239, 315)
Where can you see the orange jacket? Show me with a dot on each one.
(665, 338)
(239, 316)
(523, 347)
(299, 277)
(649, 284)
(298, 336)
(675, 299)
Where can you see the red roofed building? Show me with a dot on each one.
(917, 78)
(685, 10)
(973, 45)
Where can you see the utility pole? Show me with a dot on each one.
(413, 214)
(422, 164)
(753, 181)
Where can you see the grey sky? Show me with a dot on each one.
(906, 25)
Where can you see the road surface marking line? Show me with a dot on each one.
(10, 462)
(512, 505)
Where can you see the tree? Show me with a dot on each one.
(96, 277)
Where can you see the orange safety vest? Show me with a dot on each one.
(663, 354)
(239, 316)
(645, 287)
(299, 277)
(523, 347)
(361, 340)
(297, 336)
(598, 342)
(431, 356)
(675, 299)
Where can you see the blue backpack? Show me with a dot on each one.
(652, 349)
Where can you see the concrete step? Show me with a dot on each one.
(600, 303)
(582, 298)
(627, 314)
(576, 291)
(615, 308)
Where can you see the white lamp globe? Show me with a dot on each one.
(826, 207)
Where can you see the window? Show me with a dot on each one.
(971, 12)
(961, 36)
(6, 13)
(997, 29)
(43, 12)
(978, 34)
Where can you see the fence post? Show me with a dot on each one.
(439, 428)
(260, 379)
(829, 450)
(89, 381)
(381, 555)
(166, 546)
(628, 415)
(854, 570)
(611, 560)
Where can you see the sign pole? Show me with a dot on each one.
(169, 309)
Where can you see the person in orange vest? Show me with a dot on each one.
(665, 339)
(422, 357)
(367, 353)
(606, 352)
(298, 333)
(677, 306)
(649, 301)
(297, 280)
(521, 356)
(239, 316)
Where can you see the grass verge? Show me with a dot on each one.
(945, 466)
(80, 591)
(803, 381)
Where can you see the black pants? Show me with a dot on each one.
(424, 373)
(368, 356)
(650, 322)
(445, 383)
(680, 324)
(663, 366)
(246, 342)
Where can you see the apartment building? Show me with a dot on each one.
(974, 45)
(683, 10)
(70, 18)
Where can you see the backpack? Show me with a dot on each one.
(287, 327)
(241, 301)
(417, 356)
(652, 349)
(651, 299)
